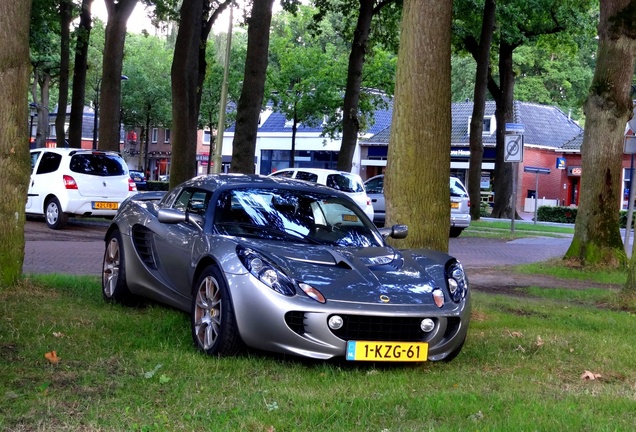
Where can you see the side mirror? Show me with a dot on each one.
(172, 216)
(396, 231)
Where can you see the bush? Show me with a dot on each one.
(562, 214)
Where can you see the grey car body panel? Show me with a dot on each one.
(351, 279)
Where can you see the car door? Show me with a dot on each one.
(375, 190)
(43, 181)
(179, 246)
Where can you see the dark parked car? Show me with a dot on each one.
(140, 180)
(285, 266)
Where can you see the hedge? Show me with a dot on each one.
(562, 214)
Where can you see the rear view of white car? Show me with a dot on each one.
(350, 184)
(75, 182)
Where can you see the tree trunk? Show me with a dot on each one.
(350, 120)
(482, 58)
(416, 182)
(66, 17)
(184, 73)
(44, 84)
(504, 102)
(110, 92)
(251, 100)
(15, 67)
(597, 239)
(79, 76)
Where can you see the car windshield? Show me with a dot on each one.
(98, 164)
(292, 215)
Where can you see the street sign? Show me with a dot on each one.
(515, 127)
(536, 170)
(513, 149)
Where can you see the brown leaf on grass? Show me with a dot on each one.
(271, 429)
(58, 334)
(52, 357)
(587, 375)
(516, 334)
(539, 341)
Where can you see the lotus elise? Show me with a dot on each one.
(286, 266)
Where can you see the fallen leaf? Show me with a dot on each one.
(516, 334)
(58, 334)
(587, 375)
(520, 348)
(271, 429)
(539, 341)
(52, 357)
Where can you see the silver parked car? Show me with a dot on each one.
(285, 266)
(459, 203)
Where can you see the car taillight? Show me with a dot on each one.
(368, 201)
(468, 203)
(69, 182)
(132, 186)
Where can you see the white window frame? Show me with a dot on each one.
(166, 136)
(153, 135)
(207, 137)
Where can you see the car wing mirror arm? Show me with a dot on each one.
(396, 231)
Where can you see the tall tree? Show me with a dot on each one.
(597, 239)
(110, 93)
(65, 11)
(251, 100)
(420, 131)
(185, 96)
(79, 76)
(14, 163)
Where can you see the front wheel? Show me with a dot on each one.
(114, 287)
(214, 329)
(55, 217)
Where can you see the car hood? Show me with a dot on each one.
(367, 275)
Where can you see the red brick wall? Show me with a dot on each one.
(550, 185)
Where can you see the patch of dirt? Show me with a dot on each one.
(77, 229)
(503, 280)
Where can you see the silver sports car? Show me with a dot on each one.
(285, 266)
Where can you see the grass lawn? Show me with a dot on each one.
(502, 229)
(533, 361)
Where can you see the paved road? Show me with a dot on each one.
(79, 249)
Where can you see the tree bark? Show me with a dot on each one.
(504, 102)
(110, 91)
(421, 125)
(66, 17)
(597, 239)
(350, 119)
(79, 76)
(15, 68)
(251, 99)
(184, 74)
(482, 58)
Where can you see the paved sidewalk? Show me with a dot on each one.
(85, 257)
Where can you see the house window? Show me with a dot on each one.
(206, 137)
(167, 136)
(489, 127)
(153, 135)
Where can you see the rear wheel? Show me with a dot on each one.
(455, 232)
(55, 217)
(214, 329)
(114, 287)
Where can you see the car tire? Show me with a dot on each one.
(455, 232)
(114, 287)
(214, 329)
(451, 356)
(55, 218)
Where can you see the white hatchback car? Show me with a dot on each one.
(459, 203)
(349, 183)
(74, 182)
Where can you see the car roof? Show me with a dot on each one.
(317, 171)
(382, 175)
(72, 151)
(234, 180)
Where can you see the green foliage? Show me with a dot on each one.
(557, 214)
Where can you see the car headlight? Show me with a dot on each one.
(457, 281)
(266, 272)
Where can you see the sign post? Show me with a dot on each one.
(513, 152)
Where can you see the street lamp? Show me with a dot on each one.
(99, 82)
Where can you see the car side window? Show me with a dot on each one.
(49, 163)
(457, 190)
(304, 175)
(192, 201)
(287, 174)
(375, 186)
(34, 160)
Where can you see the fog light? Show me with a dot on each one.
(427, 325)
(335, 322)
(438, 298)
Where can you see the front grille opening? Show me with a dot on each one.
(296, 321)
(374, 328)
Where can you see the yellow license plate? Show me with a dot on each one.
(454, 205)
(387, 351)
(101, 205)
